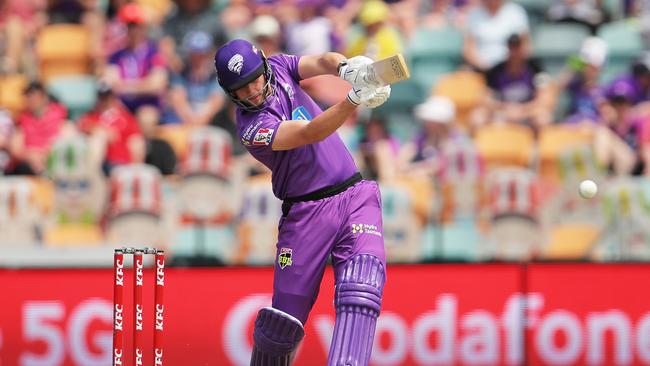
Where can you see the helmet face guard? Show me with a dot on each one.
(239, 63)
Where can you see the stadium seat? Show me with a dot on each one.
(624, 44)
(513, 201)
(578, 162)
(258, 226)
(554, 140)
(571, 241)
(73, 234)
(177, 136)
(78, 93)
(11, 92)
(433, 53)
(554, 42)
(19, 213)
(63, 49)
(402, 230)
(467, 89)
(505, 145)
(209, 150)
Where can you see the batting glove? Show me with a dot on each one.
(357, 94)
(376, 98)
(358, 72)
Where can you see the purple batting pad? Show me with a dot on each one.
(276, 338)
(359, 287)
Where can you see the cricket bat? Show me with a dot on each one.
(390, 70)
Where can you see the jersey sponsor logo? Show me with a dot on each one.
(263, 136)
(365, 229)
(236, 63)
(289, 90)
(301, 113)
(285, 257)
(251, 128)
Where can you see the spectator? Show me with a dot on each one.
(379, 40)
(114, 129)
(378, 151)
(20, 21)
(238, 14)
(159, 152)
(423, 155)
(84, 12)
(619, 143)
(265, 33)
(587, 12)
(195, 97)
(638, 79)
(514, 86)
(6, 131)
(307, 31)
(581, 80)
(137, 72)
(189, 16)
(489, 26)
(37, 127)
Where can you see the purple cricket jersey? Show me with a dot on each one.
(304, 169)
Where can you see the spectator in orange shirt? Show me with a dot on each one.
(114, 129)
(37, 127)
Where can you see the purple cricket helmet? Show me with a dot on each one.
(238, 63)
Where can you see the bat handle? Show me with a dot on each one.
(371, 77)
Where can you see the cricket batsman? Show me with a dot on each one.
(328, 210)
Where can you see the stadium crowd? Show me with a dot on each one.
(113, 128)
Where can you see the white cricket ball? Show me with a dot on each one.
(588, 189)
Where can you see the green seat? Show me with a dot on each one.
(436, 44)
(403, 97)
(77, 93)
(624, 44)
(427, 73)
(554, 42)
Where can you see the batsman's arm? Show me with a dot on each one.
(296, 133)
(315, 65)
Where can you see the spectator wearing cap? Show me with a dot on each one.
(194, 97)
(114, 130)
(136, 73)
(581, 81)
(638, 79)
(188, 16)
(37, 127)
(488, 27)
(379, 39)
(437, 117)
(514, 86)
(265, 33)
(620, 143)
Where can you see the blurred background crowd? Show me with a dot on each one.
(114, 132)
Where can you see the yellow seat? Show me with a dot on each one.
(63, 49)
(571, 241)
(73, 234)
(554, 140)
(465, 88)
(43, 194)
(156, 10)
(505, 144)
(177, 136)
(11, 92)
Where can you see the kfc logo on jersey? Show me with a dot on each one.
(263, 136)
